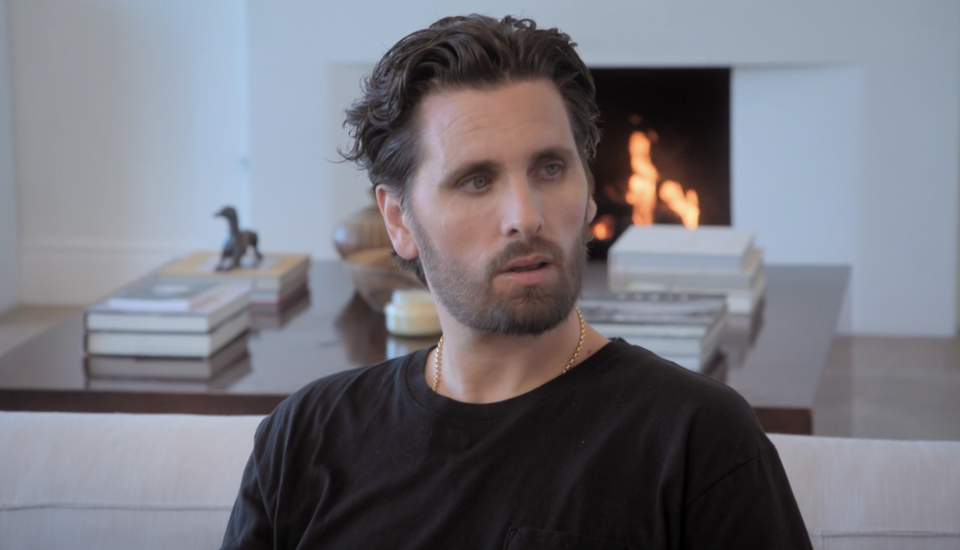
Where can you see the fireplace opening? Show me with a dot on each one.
(664, 154)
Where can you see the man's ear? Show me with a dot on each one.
(400, 235)
(591, 188)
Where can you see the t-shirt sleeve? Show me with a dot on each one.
(752, 506)
(250, 525)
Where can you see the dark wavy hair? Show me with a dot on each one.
(455, 53)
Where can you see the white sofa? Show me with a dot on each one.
(104, 481)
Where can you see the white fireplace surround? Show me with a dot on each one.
(132, 122)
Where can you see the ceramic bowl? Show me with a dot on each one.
(376, 277)
(361, 230)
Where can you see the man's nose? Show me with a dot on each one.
(522, 209)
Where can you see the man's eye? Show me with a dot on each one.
(552, 170)
(475, 183)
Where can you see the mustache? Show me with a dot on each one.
(534, 245)
(515, 249)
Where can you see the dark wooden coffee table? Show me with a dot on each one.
(332, 330)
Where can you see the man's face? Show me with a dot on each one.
(499, 207)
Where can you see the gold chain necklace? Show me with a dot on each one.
(573, 358)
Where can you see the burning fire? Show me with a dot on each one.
(642, 190)
(604, 228)
(687, 206)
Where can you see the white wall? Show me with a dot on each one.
(886, 73)
(131, 120)
(130, 131)
(811, 214)
(802, 200)
(9, 237)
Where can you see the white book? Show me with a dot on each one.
(675, 246)
(167, 344)
(275, 273)
(738, 301)
(221, 302)
(111, 366)
(746, 302)
(651, 308)
(220, 381)
(665, 279)
(273, 299)
(154, 295)
(652, 330)
(702, 346)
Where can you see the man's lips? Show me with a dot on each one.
(527, 263)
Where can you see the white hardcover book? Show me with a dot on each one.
(167, 344)
(738, 301)
(154, 295)
(272, 299)
(703, 281)
(746, 302)
(274, 273)
(651, 308)
(702, 346)
(652, 330)
(221, 302)
(675, 246)
(111, 366)
(220, 381)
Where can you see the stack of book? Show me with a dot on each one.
(219, 371)
(707, 260)
(683, 328)
(740, 335)
(275, 281)
(158, 329)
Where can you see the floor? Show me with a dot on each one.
(883, 388)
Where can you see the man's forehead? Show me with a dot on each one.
(464, 122)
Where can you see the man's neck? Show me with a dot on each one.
(486, 368)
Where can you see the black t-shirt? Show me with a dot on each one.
(624, 451)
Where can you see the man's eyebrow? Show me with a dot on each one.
(559, 153)
(480, 166)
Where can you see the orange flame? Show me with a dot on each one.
(687, 206)
(642, 189)
(603, 229)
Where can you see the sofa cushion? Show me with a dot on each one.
(169, 481)
(119, 480)
(875, 494)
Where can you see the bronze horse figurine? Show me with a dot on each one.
(237, 243)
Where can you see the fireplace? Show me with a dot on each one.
(664, 155)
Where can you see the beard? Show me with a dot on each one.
(526, 311)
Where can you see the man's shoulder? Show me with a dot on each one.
(381, 375)
(685, 406)
(355, 388)
(642, 373)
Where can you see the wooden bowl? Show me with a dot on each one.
(375, 276)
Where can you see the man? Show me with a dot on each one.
(523, 427)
